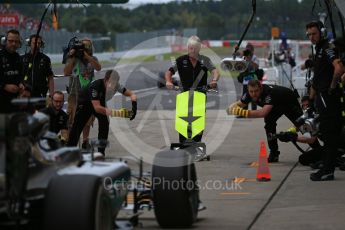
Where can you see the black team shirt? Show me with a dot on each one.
(189, 74)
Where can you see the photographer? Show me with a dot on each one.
(37, 69)
(80, 64)
(286, 51)
(92, 101)
(251, 71)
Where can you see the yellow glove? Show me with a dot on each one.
(292, 130)
(230, 108)
(238, 111)
(120, 113)
(62, 139)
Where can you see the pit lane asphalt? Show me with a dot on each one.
(135, 76)
(289, 201)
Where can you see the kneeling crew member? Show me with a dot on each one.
(57, 117)
(313, 156)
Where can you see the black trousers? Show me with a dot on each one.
(83, 114)
(6, 105)
(330, 127)
(292, 112)
(311, 156)
(316, 154)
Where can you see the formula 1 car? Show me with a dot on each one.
(46, 186)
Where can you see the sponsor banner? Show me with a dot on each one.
(215, 43)
(178, 48)
(9, 20)
(226, 43)
(259, 43)
(205, 43)
(255, 43)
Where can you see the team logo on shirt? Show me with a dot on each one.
(185, 63)
(94, 93)
(11, 73)
(244, 97)
(319, 55)
(268, 99)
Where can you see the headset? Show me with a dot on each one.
(320, 26)
(3, 39)
(322, 29)
(28, 40)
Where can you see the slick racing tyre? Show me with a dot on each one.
(175, 192)
(77, 202)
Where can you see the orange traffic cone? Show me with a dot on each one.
(263, 173)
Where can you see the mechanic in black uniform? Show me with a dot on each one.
(58, 117)
(313, 156)
(11, 71)
(340, 48)
(193, 69)
(327, 72)
(275, 102)
(37, 68)
(92, 100)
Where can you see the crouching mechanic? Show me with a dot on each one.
(275, 102)
(313, 156)
(92, 100)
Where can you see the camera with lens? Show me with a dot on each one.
(309, 63)
(308, 83)
(308, 122)
(77, 45)
(247, 53)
